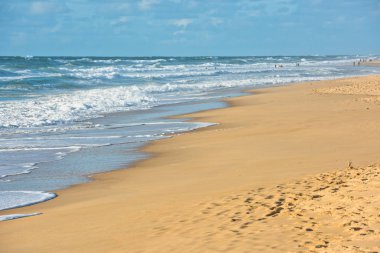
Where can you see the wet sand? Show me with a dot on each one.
(371, 63)
(288, 169)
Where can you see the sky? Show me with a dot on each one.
(189, 28)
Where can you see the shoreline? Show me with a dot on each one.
(370, 63)
(199, 179)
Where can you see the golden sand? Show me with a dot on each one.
(288, 169)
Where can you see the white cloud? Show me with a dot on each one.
(120, 21)
(183, 22)
(343, 20)
(147, 4)
(179, 32)
(40, 7)
(187, 3)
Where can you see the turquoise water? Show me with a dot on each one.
(63, 118)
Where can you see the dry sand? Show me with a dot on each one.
(288, 169)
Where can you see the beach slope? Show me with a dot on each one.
(287, 169)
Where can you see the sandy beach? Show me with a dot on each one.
(287, 169)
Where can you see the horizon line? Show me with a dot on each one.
(188, 56)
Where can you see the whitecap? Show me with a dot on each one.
(16, 216)
(78, 105)
(13, 199)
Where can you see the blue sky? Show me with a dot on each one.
(193, 27)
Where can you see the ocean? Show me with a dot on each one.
(65, 118)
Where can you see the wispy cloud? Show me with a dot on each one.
(45, 7)
(216, 21)
(29, 24)
(264, 8)
(179, 32)
(120, 20)
(147, 4)
(183, 22)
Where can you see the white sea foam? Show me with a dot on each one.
(16, 216)
(148, 61)
(10, 78)
(94, 72)
(64, 138)
(79, 105)
(26, 148)
(13, 199)
(16, 169)
(143, 68)
(6, 132)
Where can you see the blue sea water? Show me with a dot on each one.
(64, 118)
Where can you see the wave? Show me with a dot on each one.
(16, 169)
(147, 71)
(110, 69)
(78, 105)
(85, 104)
(95, 72)
(16, 216)
(26, 148)
(42, 75)
(13, 199)
(88, 88)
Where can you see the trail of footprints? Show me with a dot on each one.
(331, 212)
